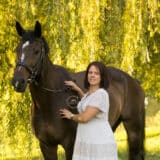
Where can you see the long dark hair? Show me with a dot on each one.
(103, 73)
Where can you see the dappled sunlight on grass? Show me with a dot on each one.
(61, 153)
(152, 146)
(152, 140)
(11, 151)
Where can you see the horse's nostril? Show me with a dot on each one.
(19, 84)
(19, 81)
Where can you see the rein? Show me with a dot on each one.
(71, 101)
(67, 89)
(53, 90)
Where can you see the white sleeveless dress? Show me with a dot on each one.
(95, 139)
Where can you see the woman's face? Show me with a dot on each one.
(94, 77)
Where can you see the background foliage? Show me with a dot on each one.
(124, 34)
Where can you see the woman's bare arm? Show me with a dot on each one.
(83, 117)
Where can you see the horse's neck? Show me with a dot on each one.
(50, 84)
(52, 76)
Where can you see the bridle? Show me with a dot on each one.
(35, 70)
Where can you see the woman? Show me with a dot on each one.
(94, 138)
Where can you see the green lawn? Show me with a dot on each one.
(152, 142)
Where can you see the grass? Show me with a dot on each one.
(152, 141)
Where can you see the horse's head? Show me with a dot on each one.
(30, 53)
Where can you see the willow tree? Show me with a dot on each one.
(124, 34)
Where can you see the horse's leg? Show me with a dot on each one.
(68, 145)
(69, 152)
(116, 124)
(135, 133)
(49, 152)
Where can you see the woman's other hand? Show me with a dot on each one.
(65, 113)
(75, 87)
(71, 84)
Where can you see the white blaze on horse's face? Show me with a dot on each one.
(26, 44)
(23, 54)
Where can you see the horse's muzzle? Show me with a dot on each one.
(19, 84)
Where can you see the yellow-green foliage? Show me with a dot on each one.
(124, 34)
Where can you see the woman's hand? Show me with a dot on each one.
(65, 113)
(83, 117)
(71, 84)
(74, 87)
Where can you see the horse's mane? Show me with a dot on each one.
(46, 47)
(63, 70)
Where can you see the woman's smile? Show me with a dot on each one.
(94, 76)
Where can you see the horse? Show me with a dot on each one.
(46, 84)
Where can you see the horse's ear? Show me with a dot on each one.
(37, 29)
(19, 29)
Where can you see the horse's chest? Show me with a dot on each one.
(45, 130)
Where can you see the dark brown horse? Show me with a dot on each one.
(46, 83)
